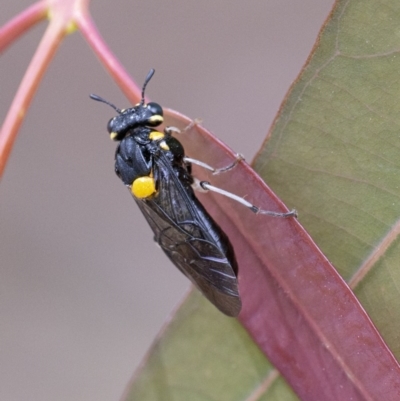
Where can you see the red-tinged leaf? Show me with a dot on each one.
(295, 305)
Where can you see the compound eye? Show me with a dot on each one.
(155, 109)
(110, 126)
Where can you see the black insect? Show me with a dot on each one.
(153, 165)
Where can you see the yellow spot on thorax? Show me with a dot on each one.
(143, 187)
(156, 135)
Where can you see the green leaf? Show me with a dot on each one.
(186, 356)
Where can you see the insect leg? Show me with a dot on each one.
(215, 171)
(188, 160)
(206, 186)
(170, 130)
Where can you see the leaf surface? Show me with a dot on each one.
(333, 153)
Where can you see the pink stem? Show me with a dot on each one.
(21, 23)
(27, 89)
(113, 66)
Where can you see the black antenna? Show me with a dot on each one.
(100, 99)
(146, 81)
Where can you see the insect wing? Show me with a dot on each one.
(192, 240)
